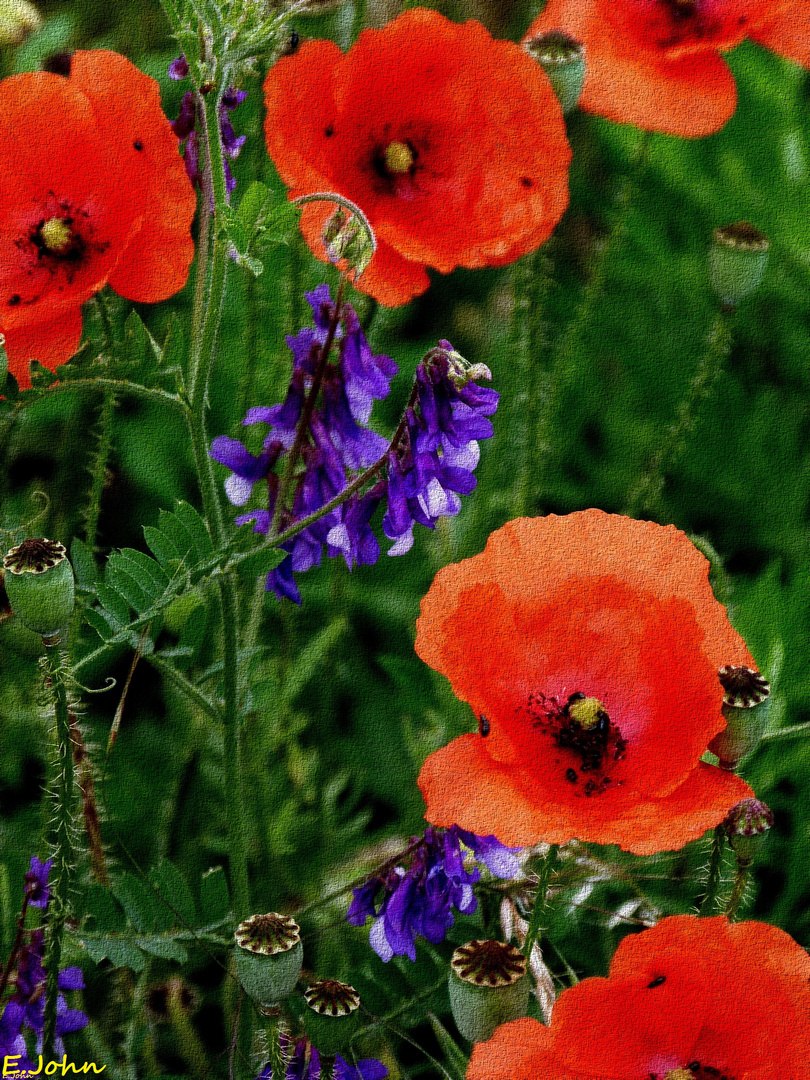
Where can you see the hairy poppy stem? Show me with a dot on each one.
(541, 904)
(738, 890)
(649, 487)
(707, 903)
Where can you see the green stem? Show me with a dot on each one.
(63, 855)
(738, 890)
(786, 732)
(272, 1027)
(643, 496)
(99, 468)
(541, 905)
(707, 904)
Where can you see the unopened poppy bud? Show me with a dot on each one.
(39, 584)
(347, 238)
(563, 60)
(333, 1016)
(269, 955)
(746, 708)
(488, 987)
(737, 261)
(18, 19)
(746, 825)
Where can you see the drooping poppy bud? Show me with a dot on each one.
(269, 955)
(488, 987)
(333, 1016)
(39, 584)
(737, 261)
(563, 60)
(746, 709)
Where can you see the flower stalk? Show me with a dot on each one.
(709, 899)
(64, 790)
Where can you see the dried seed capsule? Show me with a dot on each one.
(39, 584)
(488, 987)
(269, 955)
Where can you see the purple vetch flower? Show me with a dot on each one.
(185, 127)
(304, 1063)
(419, 901)
(26, 1006)
(36, 883)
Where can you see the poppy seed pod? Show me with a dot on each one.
(488, 987)
(746, 706)
(333, 1016)
(39, 584)
(269, 955)
(563, 60)
(746, 826)
(737, 261)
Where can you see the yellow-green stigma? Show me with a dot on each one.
(586, 711)
(398, 157)
(56, 235)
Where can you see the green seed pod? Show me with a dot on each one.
(269, 955)
(488, 987)
(737, 261)
(333, 1016)
(563, 60)
(746, 825)
(39, 584)
(745, 707)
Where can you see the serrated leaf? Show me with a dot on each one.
(106, 912)
(255, 204)
(195, 525)
(84, 566)
(260, 563)
(113, 602)
(174, 345)
(144, 909)
(120, 953)
(164, 947)
(119, 578)
(215, 901)
(171, 885)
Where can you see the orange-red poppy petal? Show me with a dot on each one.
(462, 785)
(690, 97)
(788, 34)
(51, 343)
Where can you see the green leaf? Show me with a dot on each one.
(84, 566)
(195, 525)
(260, 563)
(255, 205)
(311, 657)
(215, 901)
(455, 1058)
(144, 908)
(104, 625)
(174, 345)
(106, 912)
(113, 602)
(164, 947)
(119, 578)
(119, 953)
(162, 547)
(139, 347)
(151, 576)
(171, 885)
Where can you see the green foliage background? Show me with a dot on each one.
(343, 712)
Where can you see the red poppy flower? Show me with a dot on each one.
(690, 999)
(453, 144)
(93, 192)
(657, 63)
(591, 643)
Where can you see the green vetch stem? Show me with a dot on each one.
(59, 880)
(738, 889)
(709, 900)
(704, 381)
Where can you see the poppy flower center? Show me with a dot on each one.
(55, 234)
(56, 238)
(399, 157)
(583, 729)
(695, 1070)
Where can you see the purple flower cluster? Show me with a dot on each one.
(26, 1006)
(304, 1063)
(419, 901)
(423, 471)
(185, 127)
